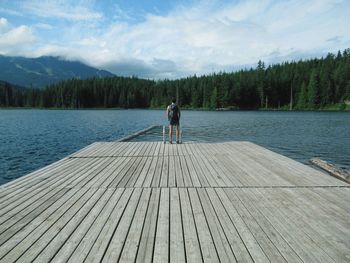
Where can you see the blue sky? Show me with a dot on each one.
(172, 39)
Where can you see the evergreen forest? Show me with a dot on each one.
(312, 84)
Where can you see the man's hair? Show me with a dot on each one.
(173, 99)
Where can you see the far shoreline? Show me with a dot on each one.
(327, 109)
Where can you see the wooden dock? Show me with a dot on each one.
(199, 202)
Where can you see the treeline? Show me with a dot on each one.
(308, 84)
(11, 95)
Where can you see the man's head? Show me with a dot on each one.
(173, 99)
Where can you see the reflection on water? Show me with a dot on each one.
(30, 139)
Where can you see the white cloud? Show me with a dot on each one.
(198, 39)
(43, 26)
(3, 24)
(10, 11)
(53, 50)
(201, 39)
(120, 14)
(15, 40)
(70, 10)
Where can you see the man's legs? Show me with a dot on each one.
(171, 133)
(177, 133)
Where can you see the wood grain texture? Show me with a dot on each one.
(192, 202)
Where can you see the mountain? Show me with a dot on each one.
(43, 71)
(10, 85)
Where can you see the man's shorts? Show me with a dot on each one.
(174, 122)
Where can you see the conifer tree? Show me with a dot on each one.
(303, 96)
(313, 90)
(214, 98)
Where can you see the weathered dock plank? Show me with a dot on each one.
(195, 202)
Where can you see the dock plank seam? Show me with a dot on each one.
(149, 201)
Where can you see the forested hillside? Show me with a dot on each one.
(309, 84)
(42, 71)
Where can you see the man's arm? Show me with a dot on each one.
(167, 112)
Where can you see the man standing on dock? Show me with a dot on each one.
(173, 113)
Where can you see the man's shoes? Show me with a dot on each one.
(177, 142)
(171, 142)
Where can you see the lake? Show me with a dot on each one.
(30, 139)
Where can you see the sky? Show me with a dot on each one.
(160, 39)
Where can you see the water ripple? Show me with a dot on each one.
(31, 139)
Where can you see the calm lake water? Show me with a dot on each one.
(30, 139)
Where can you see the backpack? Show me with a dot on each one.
(174, 112)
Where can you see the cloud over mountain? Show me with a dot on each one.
(195, 38)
